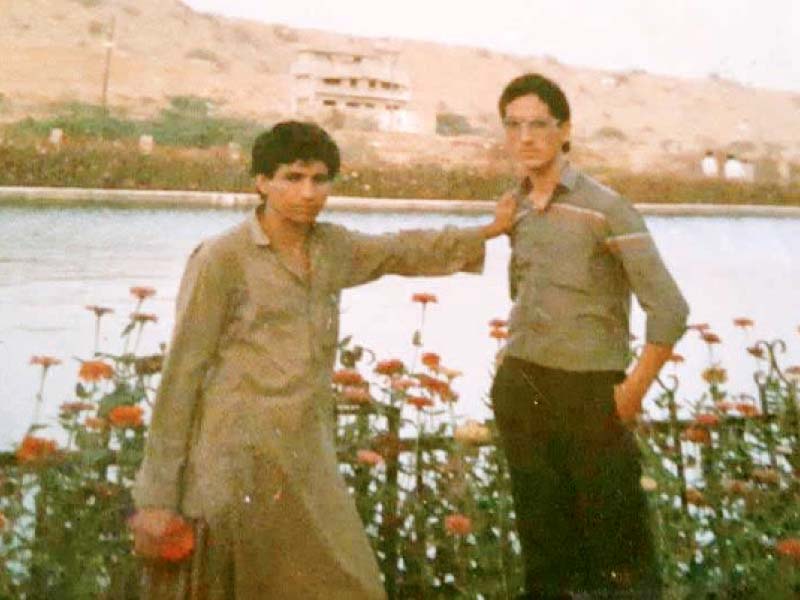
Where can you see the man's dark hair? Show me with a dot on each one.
(290, 141)
(547, 90)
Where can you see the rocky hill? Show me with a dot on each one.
(53, 51)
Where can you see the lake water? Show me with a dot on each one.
(53, 261)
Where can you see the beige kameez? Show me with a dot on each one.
(242, 429)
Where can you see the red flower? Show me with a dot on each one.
(790, 548)
(747, 409)
(707, 419)
(34, 449)
(419, 402)
(71, 408)
(99, 311)
(347, 377)
(431, 360)
(435, 386)
(424, 298)
(95, 423)
(402, 384)
(498, 334)
(458, 524)
(698, 435)
(142, 292)
(95, 370)
(498, 323)
(45, 361)
(743, 322)
(710, 338)
(126, 416)
(369, 457)
(357, 394)
(393, 366)
(756, 351)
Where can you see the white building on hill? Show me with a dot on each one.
(361, 84)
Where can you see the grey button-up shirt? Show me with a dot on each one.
(572, 270)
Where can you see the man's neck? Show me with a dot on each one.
(546, 177)
(281, 232)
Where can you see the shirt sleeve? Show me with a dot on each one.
(201, 312)
(653, 285)
(413, 252)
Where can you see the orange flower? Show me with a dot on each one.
(99, 311)
(95, 370)
(736, 487)
(793, 374)
(695, 496)
(766, 476)
(2, 521)
(715, 375)
(498, 334)
(34, 449)
(126, 416)
(142, 292)
(698, 435)
(356, 394)
(431, 360)
(498, 323)
(402, 384)
(700, 327)
(347, 377)
(71, 408)
(707, 419)
(419, 402)
(743, 322)
(747, 409)
(756, 351)
(95, 423)
(435, 386)
(458, 524)
(369, 457)
(45, 361)
(393, 366)
(676, 358)
(710, 338)
(144, 317)
(424, 298)
(790, 548)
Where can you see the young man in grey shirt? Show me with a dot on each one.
(561, 396)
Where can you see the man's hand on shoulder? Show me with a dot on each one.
(503, 216)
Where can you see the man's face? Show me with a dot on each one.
(533, 136)
(296, 192)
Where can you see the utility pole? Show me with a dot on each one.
(109, 46)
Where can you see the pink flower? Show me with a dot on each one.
(458, 524)
(369, 457)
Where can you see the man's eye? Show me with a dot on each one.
(321, 179)
(294, 177)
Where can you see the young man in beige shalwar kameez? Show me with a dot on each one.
(242, 433)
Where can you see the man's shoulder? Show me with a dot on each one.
(595, 195)
(223, 245)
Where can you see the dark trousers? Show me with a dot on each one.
(582, 516)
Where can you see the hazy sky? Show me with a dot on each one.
(753, 41)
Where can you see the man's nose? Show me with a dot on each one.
(308, 188)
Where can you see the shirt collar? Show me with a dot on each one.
(566, 183)
(257, 234)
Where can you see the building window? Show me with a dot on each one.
(369, 105)
(353, 104)
(329, 102)
(331, 81)
(386, 85)
(353, 82)
(372, 83)
(357, 59)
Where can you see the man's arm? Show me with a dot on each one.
(658, 294)
(422, 252)
(201, 311)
